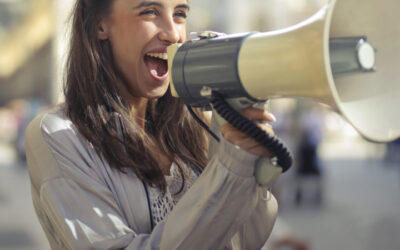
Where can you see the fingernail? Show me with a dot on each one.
(272, 117)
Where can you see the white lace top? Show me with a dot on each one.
(162, 205)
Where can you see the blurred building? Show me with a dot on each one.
(233, 16)
(26, 29)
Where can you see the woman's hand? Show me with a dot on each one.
(242, 140)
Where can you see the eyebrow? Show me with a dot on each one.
(152, 3)
(148, 3)
(182, 6)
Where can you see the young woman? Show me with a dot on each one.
(122, 164)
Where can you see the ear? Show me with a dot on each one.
(102, 30)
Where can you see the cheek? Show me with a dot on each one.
(127, 48)
(124, 56)
(137, 38)
(183, 32)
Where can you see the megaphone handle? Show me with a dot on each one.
(266, 170)
(229, 114)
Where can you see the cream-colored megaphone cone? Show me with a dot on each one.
(329, 57)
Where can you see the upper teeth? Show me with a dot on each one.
(163, 56)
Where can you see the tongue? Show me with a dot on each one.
(157, 67)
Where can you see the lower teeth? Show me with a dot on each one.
(154, 72)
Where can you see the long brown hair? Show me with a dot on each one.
(96, 107)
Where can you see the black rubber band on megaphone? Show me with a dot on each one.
(272, 143)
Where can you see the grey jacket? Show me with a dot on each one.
(83, 203)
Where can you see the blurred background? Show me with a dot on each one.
(342, 192)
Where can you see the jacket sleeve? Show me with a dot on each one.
(75, 207)
(78, 211)
(224, 201)
(254, 233)
(224, 204)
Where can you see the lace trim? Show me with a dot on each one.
(161, 205)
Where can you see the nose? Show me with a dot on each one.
(170, 32)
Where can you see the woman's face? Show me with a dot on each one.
(140, 32)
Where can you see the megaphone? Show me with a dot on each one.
(346, 56)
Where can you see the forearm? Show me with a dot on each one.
(257, 229)
(216, 206)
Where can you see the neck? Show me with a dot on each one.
(138, 110)
(138, 105)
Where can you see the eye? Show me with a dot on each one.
(149, 12)
(180, 14)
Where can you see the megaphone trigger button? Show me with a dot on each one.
(206, 92)
(207, 34)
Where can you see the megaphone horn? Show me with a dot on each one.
(330, 57)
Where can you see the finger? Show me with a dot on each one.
(259, 150)
(258, 114)
(267, 128)
(227, 129)
(241, 139)
(233, 134)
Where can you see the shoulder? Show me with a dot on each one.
(48, 122)
(53, 129)
(55, 149)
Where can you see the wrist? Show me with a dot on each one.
(236, 159)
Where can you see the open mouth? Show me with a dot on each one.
(157, 64)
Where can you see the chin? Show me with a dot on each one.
(157, 93)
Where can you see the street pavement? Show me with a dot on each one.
(19, 227)
(359, 209)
